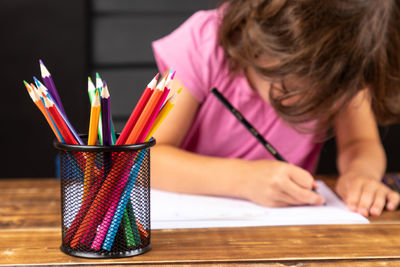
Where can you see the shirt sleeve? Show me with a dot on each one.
(190, 51)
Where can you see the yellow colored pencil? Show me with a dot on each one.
(92, 139)
(169, 104)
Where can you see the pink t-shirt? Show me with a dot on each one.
(193, 51)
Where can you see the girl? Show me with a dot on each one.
(298, 71)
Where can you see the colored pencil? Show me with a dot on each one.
(157, 109)
(99, 87)
(92, 139)
(44, 91)
(137, 111)
(112, 129)
(48, 81)
(59, 121)
(106, 115)
(94, 120)
(169, 104)
(91, 92)
(91, 89)
(108, 229)
(95, 207)
(38, 102)
(153, 115)
(145, 116)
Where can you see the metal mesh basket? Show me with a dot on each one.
(105, 200)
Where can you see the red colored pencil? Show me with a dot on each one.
(145, 115)
(137, 111)
(157, 108)
(58, 120)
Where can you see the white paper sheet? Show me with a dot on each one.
(174, 210)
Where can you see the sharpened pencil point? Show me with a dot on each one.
(36, 81)
(173, 75)
(25, 82)
(41, 62)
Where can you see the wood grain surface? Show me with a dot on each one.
(30, 235)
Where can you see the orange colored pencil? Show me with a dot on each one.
(146, 114)
(36, 99)
(157, 107)
(137, 111)
(58, 120)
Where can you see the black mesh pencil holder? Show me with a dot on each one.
(105, 199)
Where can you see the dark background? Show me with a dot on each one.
(76, 38)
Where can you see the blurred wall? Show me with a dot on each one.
(56, 32)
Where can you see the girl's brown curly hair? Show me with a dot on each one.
(339, 47)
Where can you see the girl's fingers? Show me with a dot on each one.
(353, 199)
(290, 200)
(301, 177)
(366, 199)
(302, 195)
(379, 203)
(393, 199)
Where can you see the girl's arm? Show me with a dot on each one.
(174, 169)
(361, 160)
(267, 182)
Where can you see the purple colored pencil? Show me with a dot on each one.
(49, 83)
(106, 115)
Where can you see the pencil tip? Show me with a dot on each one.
(179, 90)
(97, 75)
(41, 62)
(173, 75)
(25, 82)
(89, 79)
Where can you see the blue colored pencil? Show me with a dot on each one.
(112, 230)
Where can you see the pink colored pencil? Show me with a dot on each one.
(116, 195)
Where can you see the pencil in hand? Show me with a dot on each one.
(268, 146)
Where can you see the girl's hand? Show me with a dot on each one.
(275, 183)
(366, 195)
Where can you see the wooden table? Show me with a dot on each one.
(30, 235)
